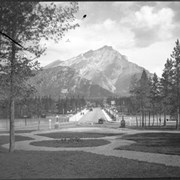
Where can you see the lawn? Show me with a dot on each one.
(18, 131)
(71, 143)
(5, 140)
(162, 128)
(73, 164)
(165, 143)
(58, 135)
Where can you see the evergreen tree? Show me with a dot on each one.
(134, 94)
(155, 94)
(141, 91)
(166, 88)
(27, 23)
(170, 84)
(176, 81)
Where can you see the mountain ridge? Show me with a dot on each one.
(64, 81)
(105, 67)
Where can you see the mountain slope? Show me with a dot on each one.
(107, 68)
(59, 81)
(53, 64)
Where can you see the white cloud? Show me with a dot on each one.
(153, 57)
(144, 34)
(146, 15)
(109, 24)
(157, 24)
(146, 18)
(93, 36)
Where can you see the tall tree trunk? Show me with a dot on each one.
(142, 118)
(12, 130)
(149, 117)
(178, 98)
(178, 118)
(160, 119)
(164, 118)
(136, 121)
(153, 116)
(145, 118)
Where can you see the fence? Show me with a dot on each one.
(37, 123)
(137, 120)
(42, 123)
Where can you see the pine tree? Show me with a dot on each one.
(27, 23)
(170, 84)
(141, 92)
(166, 88)
(134, 94)
(155, 94)
(176, 81)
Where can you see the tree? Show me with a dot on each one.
(27, 23)
(170, 84)
(166, 88)
(176, 80)
(155, 94)
(134, 94)
(141, 92)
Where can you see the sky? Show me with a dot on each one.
(144, 31)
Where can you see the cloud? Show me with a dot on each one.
(149, 25)
(152, 57)
(88, 37)
(143, 31)
(149, 19)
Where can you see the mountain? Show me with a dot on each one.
(53, 64)
(105, 67)
(62, 80)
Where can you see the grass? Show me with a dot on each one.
(72, 164)
(59, 135)
(165, 143)
(71, 143)
(20, 165)
(18, 131)
(5, 140)
(165, 128)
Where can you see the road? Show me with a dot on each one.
(92, 116)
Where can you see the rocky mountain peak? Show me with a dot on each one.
(106, 47)
(105, 67)
(53, 64)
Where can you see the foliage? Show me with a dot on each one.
(170, 82)
(70, 104)
(28, 23)
(154, 96)
(141, 91)
(37, 106)
(166, 86)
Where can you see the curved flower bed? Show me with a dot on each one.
(72, 142)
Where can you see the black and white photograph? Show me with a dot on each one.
(89, 89)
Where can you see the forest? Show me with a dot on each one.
(155, 95)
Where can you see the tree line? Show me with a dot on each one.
(36, 107)
(154, 96)
(23, 28)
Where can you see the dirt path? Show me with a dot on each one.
(107, 150)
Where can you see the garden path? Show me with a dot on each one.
(107, 150)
